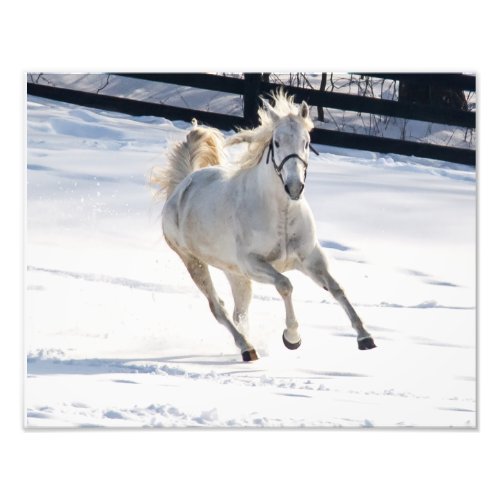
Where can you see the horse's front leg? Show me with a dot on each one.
(260, 270)
(315, 266)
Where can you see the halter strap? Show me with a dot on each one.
(278, 168)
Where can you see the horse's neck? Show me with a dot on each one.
(270, 186)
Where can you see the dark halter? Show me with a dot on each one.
(279, 168)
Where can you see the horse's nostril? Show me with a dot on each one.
(301, 188)
(286, 189)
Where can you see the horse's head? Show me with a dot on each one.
(289, 148)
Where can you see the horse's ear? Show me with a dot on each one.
(270, 111)
(304, 109)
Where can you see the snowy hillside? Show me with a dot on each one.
(117, 335)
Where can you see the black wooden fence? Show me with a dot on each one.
(252, 86)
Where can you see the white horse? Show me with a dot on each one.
(252, 222)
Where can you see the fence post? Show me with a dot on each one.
(251, 98)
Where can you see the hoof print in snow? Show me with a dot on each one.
(365, 344)
(289, 345)
(250, 355)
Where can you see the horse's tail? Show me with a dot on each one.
(203, 147)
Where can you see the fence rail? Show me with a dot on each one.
(134, 107)
(322, 98)
(252, 86)
(449, 80)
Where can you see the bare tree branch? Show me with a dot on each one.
(105, 85)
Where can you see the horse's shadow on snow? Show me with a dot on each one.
(170, 366)
(100, 366)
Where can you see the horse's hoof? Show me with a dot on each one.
(365, 344)
(250, 355)
(289, 345)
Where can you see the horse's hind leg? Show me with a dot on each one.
(201, 276)
(242, 294)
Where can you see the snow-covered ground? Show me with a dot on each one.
(117, 335)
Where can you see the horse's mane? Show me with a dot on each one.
(259, 137)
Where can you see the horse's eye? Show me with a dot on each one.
(277, 144)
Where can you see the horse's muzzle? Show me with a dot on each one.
(295, 190)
